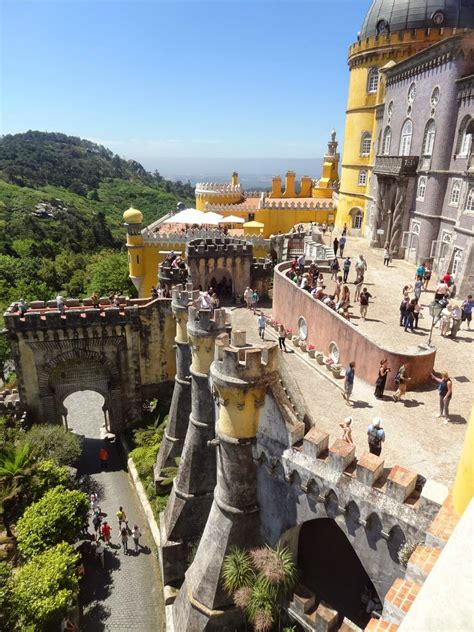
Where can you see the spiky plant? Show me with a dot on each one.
(237, 570)
(263, 620)
(263, 598)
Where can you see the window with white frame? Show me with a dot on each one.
(429, 138)
(365, 144)
(405, 138)
(457, 259)
(421, 189)
(362, 178)
(464, 143)
(470, 200)
(373, 80)
(357, 220)
(387, 139)
(455, 192)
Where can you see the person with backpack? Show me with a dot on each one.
(346, 267)
(401, 380)
(445, 391)
(96, 520)
(376, 436)
(124, 538)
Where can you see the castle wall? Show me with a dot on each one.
(325, 326)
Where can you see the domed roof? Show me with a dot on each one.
(400, 15)
(132, 216)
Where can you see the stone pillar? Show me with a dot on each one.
(240, 377)
(190, 500)
(398, 218)
(182, 298)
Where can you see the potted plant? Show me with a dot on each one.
(289, 334)
(295, 340)
(329, 362)
(303, 345)
(311, 350)
(319, 355)
(338, 371)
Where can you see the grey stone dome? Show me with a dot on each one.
(399, 15)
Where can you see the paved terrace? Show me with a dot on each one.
(415, 438)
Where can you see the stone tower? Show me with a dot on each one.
(240, 377)
(182, 298)
(133, 220)
(191, 497)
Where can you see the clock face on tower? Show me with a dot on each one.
(438, 18)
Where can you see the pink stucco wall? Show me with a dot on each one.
(325, 326)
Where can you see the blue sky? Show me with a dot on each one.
(180, 79)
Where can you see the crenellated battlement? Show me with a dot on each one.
(183, 296)
(216, 188)
(301, 204)
(80, 315)
(229, 248)
(237, 360)
(202, 322)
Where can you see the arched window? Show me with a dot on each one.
(464, 143)
(372, 80)
(470, 200)
(455, 193)
(429, 138)
(405, 138)
(362, 178)
(387, 139)
(421, 189)
(365, 144)
(357, 220)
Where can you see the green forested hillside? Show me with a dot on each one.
(61, 206)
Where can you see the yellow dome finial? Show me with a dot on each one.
(133, 216)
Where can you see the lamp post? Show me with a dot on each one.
(435, 311)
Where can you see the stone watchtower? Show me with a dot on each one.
(240, 375)
(182, 298)
(191, 497)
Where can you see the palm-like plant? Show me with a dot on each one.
(15, 469)
(259, 581)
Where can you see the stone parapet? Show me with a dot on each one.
(183, 296)
(242, 364)
(204, 322)
(230, 248)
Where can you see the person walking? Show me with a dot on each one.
(23, 306)
(342, 245)
(401, 380)
(420, 272)
(282, 338)
(347, 430)
(301, 262)
(261, 322)
(346, 267)
(94, 502)
(384, 370)
(456, 319)
(445, 392)
(248, 297)
(358, 287)
(403, 310)
(254, 300)
(136, 535)
(446, 318)
(344, 230)
(105, 532)
(100, 553)
(96, 520)
(124, 538)
(60, 304)
(442, 291)
(376, 436)
(334, 267)
(416, 313)
(349, 383)
(121, 517)
(387, 257)
(427, 276)
(103, 458)
(466, 307)
(364, 297)
(335, 245)
(361, 266)
(418, 288)
(410, 314)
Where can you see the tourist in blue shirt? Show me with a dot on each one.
(349, 383)
(376, 436)
(261, 326)
(466, 307)
(420, 272)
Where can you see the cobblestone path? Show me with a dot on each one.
(126, 594)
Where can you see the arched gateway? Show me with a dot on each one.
(123, 353)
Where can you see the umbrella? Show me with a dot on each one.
(232, 219)
(188, 216)
(212, 218)
(254, 225)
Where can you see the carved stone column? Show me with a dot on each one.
(398, 216)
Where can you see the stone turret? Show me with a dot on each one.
(240, 377)
(191, 497)
(180, 409)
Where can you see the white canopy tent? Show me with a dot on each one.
(211, 218)
(188, 216)
(232, 219)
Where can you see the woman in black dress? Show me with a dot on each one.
(382, 378)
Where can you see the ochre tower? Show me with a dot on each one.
(212, 193)
(241, 375)
(178, 418)
(329, 181)
(133, 220)
(392, 31)
(191, 497)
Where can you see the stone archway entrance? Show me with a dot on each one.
(73, 372)
(221, 281)
(331, 569)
